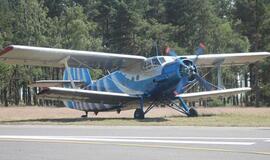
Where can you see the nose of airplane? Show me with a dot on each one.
(187, 69)
(187, 72)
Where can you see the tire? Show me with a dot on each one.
(84, 116)
(138, 114)
(192, 113)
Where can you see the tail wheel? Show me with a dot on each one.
(192, 113)
(138, 114)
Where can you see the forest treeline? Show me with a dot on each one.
(132, 27)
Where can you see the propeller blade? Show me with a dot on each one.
(204, 83)
(199, 51)
(181, 84)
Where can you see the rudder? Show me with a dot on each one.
(82, 74)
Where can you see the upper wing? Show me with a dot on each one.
(86, 95)
(212, 94)
(40, 56)
(211, 60)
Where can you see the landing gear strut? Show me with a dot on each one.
(139, 113)
(85, 115)
(184, 108)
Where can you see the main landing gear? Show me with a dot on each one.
(138, 114)
(182, 107)
(192, 113)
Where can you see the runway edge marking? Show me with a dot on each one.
(124, 140)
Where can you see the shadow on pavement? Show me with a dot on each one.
(68, 120)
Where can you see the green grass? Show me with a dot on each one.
(226, 119)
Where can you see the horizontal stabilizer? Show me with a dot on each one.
(55, 83)
(212, 94)
(57, 93)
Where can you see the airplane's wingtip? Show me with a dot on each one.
(6, 49)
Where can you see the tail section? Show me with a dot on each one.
(78, 74)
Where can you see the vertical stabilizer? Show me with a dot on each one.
(82, 74)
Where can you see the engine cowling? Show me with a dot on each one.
(188, 68)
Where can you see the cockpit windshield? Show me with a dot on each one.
(161, 60)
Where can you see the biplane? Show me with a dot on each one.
(136, 81)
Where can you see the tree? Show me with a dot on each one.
(78, 33)
(251, 18)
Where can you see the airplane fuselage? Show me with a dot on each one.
(157, 78)
(165, 79)
(151, 81)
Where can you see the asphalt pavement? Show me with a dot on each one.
(116, 143)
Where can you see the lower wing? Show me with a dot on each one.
(212, 94)
(90, 96)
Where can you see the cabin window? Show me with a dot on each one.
(155, 61)
(132, 78)
(138, 77)
(151, 64)
(147, 65)
(161, 60)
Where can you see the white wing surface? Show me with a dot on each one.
(90, 96)
(212, 94)
(39, 56)
(229, 59)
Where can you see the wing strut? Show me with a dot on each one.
(65, 61)
(219, 75)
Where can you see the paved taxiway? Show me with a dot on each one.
(116, 143)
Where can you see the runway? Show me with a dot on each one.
(114, 143)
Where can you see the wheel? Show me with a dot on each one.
(138, 114)
(84, 116)
(192, 113)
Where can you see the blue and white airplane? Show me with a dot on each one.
(155, 80)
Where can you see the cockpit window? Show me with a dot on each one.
(161, 60)
(155, 61)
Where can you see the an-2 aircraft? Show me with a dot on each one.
(155, 80)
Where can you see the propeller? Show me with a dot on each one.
(189, 71)
(207, 85)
